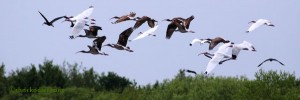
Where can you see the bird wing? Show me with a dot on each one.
(223, 49)
(263, 62)
(123, 37)
(139, 22)
(170, 30)
(255, 25)
(79, 25)
(99, 41)
(57, 18)
(151, 23)
(188, 21)
(85, 14)
(146, 33)
(44, 17)
(214, 42)
(278, 62)
(214, 62)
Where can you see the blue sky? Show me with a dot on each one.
(25, 41)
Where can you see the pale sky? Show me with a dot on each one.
(25, 41)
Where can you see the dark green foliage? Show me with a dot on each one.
(75, 83)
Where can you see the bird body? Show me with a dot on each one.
(149, 32)
(93, 50)
(124, 18)
(236, 48)
(201, 41)
(258, 23)
(122, 41)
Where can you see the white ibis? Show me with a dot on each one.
(122, 41)
(236, 48)
(149, 32)
(80, 21)
(130, 16)
(220, 54)
(140, 21)
(258, 23)
(270, 59)
(52, 21)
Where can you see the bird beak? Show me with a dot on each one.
(191, 44)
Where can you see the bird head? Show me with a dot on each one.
(169, 20)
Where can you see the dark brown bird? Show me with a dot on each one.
(122, 41)
(124, 18)
(93, 50)
(180, 23)
(92, 32)
(140, 21)
(51, 22)
(214, 42)
(270, 59)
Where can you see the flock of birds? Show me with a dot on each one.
(177, 24)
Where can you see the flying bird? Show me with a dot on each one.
(130, 16)
(149, 32)
(236, 48)
(258, 23)
(140, 21)
(52, 21)
(214, 42)
(220, 54)
(92, 32)
(93, 50)
(98, 43)
(177, 22)
(270, 59)
(122, 41)
(80, 21)
(190, 71)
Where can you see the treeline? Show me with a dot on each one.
(83, 84)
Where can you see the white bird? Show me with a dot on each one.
(201, 41)
(149, 32)
(236, 48)
(80, 21)
(258, 23)
(220, 54)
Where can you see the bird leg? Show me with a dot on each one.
(221, 62)
(208, 55)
